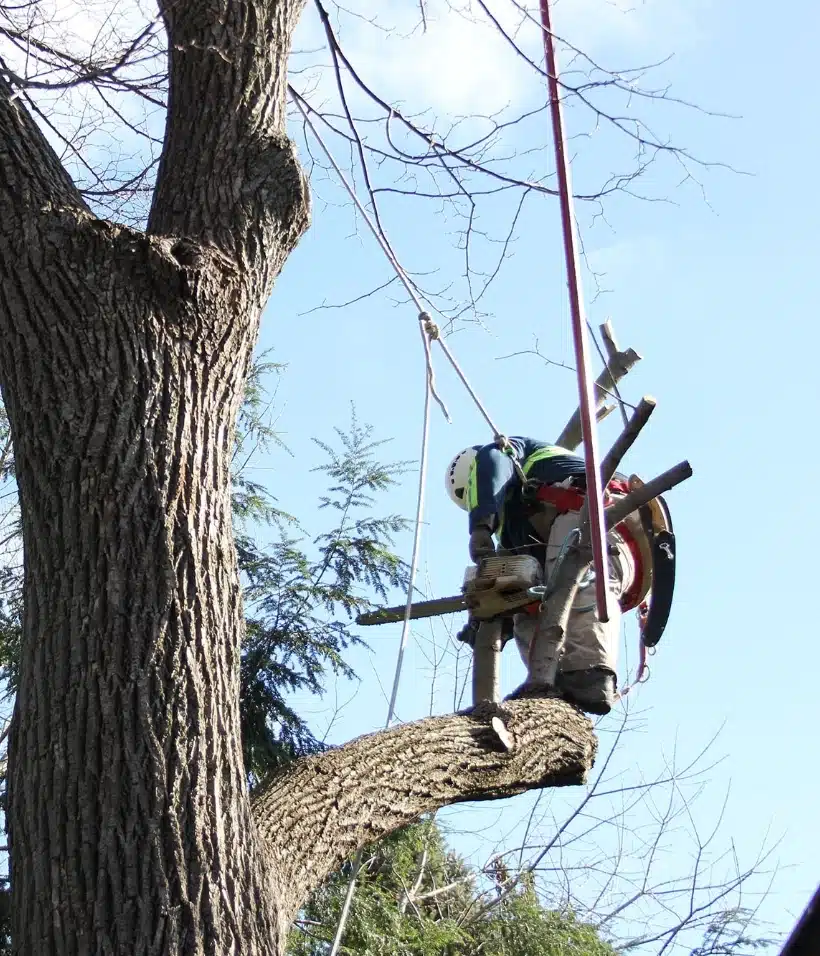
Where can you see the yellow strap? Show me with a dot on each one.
(471, 492)
(548, 451)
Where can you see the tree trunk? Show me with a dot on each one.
(129, 820)
(122, 360)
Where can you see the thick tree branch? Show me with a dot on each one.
(228, 173)
(36, 193)
(32, 178)
(312, 816)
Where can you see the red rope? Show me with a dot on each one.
(579, 329)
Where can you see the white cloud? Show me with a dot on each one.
(460, 64)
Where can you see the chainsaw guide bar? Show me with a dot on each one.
(499, 586)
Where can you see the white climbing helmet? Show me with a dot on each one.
(458, 475)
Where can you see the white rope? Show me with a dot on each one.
(405, 627)
(414, 557)
(424, 315)
(429, 331)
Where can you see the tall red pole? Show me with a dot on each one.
(579, 328)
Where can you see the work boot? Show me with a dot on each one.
(533, 689)
(591, 689)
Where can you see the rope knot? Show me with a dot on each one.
(429, 326)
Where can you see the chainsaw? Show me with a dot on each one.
(497, 587)
(505, 584)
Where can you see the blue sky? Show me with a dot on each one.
(718, 291)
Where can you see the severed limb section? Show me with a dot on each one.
(618, 365)
(626, 439)
(487, 662)
(651, 489)
(553, 616)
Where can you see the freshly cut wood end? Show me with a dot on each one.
(503, 734)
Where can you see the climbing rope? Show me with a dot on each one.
(429, 333)
(405, 627)
(428, 325)
(579, 328)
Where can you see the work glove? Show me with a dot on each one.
(468, 632)
(481, 544)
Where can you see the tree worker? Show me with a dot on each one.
(483, 480)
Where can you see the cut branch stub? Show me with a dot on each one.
(626, 439)
(618, 366)
(487, 662)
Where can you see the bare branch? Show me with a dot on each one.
(228, 174)
(32, 179)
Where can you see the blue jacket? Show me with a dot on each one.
(494, 489)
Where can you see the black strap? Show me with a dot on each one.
(664, 558)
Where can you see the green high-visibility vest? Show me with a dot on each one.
(472, 488)
(548, 451)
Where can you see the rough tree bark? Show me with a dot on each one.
(323, 809)
(122, 360)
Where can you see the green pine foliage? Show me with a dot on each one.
(301, 592)
(417, 898)
(302, 587)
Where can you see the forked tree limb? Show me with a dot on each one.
(312, 816)
(228, 175)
